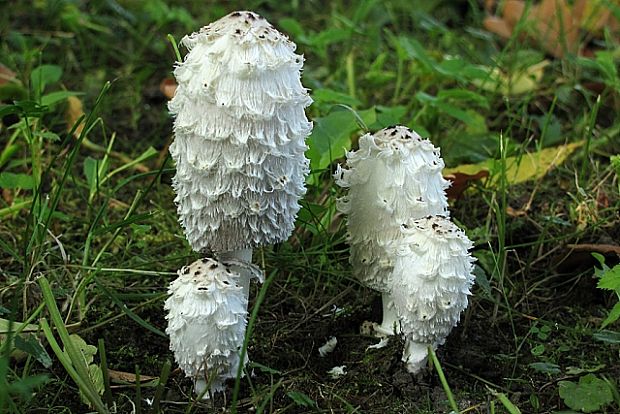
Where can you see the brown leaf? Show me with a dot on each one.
(498, 26)
(168, 87)
(556, 27)
(460, 182)
(7, 196)
(74, 111)
(553, 24)
(513, 10)
(597, 248)
(6, 75)
(125, 377)
(511, 212)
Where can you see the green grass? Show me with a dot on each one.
(89, 238)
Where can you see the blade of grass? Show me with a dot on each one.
(128, 311)
(248, 334)
(85, 386)
(442, 379)
(107, 391)
(161, 386)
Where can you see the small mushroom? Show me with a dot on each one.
(430, 284)
(239, 143)
(395, 175)
(207, 313)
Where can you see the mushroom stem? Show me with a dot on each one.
(414, 355)
(243, 257)
(391, 322)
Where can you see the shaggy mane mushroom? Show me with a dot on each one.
(393, 176)
(239, 143)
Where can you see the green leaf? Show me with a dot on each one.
(545, 367)
(589, 395)
(43, 75)
(614, 315)
(325, 95)
(609, 337)
(331, 136)
(615, 163)
(464, 95)
(13, 181)
(55, 97)
(31, 346)
(610, 279)
(87, 351)
(91, 169)
(538, 350)
(301, 399)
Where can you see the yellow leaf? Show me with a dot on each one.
(531, 166)
(515, 83)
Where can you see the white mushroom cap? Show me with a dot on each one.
(239, 134)
(394, 175)
(430, 284)
(207, 313)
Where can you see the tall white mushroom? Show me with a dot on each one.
(395, 175)
(239, 144)
(431, 281)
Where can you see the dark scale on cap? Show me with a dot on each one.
(404, 226)
(197, 273)
(236, 14)
(185, 270)
(226, 282)
(251, 16)
(238, 31)
(393, 133)
(213, 266)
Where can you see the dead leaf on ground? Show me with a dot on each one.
(6, 75)
(74, 111)
(530, 166)
(553, 24)
(127, 377)
(516, 83)
(7, 196)
(597, 248)
(511, 212)
(460, 182)
(168, 87)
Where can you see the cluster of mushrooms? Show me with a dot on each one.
(240, 130)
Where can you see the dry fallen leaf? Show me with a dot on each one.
(553, 24)
(460, 182)
(74, 111)
(7, 196)
(168, 87)
(597, 248)
(530, 166)
(125, 377)
(6, 75)
(516, 83)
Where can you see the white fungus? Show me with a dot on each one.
(206, 322)
(395, 175)
(239, 134)
(430, 284)
(328, 347)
